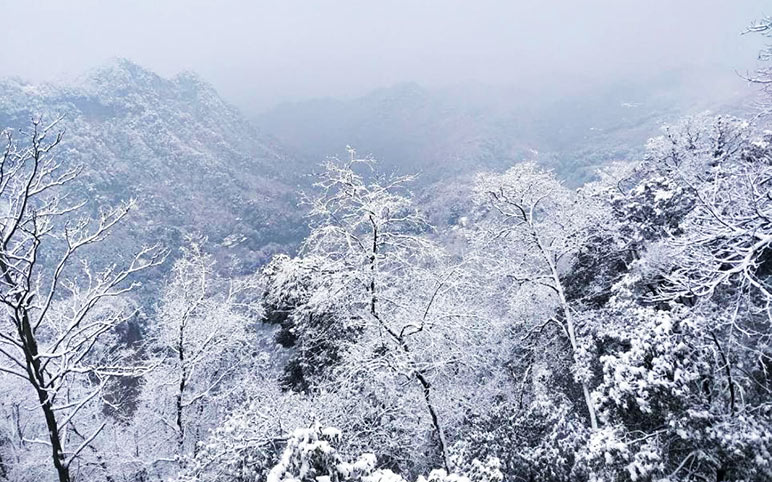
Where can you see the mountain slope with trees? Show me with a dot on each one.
(192, 162)
(570, 125)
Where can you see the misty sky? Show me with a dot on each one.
(258, 53)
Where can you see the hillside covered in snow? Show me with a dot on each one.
(193, 163)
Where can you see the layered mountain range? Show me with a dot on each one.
(198, 167)
(571, 126)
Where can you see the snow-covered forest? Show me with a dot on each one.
(186, 299)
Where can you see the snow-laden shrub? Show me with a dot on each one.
(311, 455)
(535, 442)
(671, 410)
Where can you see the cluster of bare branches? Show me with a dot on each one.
(58, 309)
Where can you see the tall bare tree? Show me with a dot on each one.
(55, 316)
(202, 350)
(540, 225)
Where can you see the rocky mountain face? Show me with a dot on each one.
(192, 162)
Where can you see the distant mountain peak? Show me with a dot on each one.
(191, 83)
(120, 78)
(119, 68)
(190, 77)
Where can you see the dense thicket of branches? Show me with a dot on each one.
(56, 351)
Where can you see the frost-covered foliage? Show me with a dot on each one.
(311, 455)
(538, 441)
(671, 405)
(318, 335)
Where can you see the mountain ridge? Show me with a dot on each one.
(175, 145)
(450, 131)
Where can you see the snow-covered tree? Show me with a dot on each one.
(57, 329)
(531, 235)
(372, 295)
(763, 75)
(202, 348)
(668, 400)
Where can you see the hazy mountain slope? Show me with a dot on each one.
(406, 127)
(191, 160)
(447, 132)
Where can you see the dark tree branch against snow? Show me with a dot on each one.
(56, 321)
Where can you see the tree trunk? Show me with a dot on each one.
(572, 339)
(435, 420)
(181, 391)
(569, 324)
(35, 377)
(180, 426)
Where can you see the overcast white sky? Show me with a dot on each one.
(258, 53)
